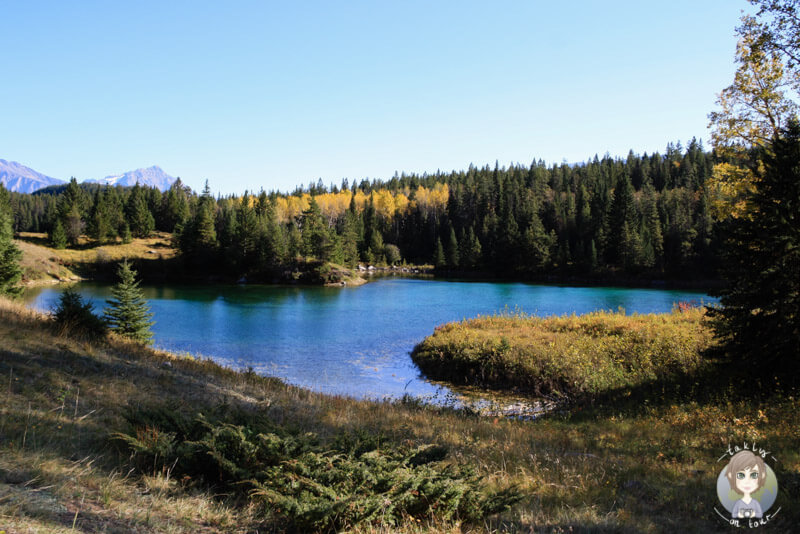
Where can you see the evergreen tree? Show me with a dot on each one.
(58, 237)
(128, 313)
(623, 224)
(273, 246)
(760, 313)
(376, 248)
(247, 235)
(439, 259)
(452, 251)
(318, 240)
(175, 207)
(125, 233)
(470, 249)
(138, 213)
(75, 317)
(71, 206)
(10, 271)
(349, 239)
(101, 225)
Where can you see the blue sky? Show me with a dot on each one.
(277, 94)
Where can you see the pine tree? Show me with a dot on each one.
(349, 239)
(318, 240)
(138, 214)
(439, 259)
(622, 224)
(175, 208)
(128, 313)
(10, 271)
(58, 237)
(376, 246)
(452, 251)
(70, 209)
(760, 314)
(536, 246)
(125, 233)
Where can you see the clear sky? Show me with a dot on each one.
(277, 94)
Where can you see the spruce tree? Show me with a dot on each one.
(138, 213)
(10, 271)
(439, 259)
(70, 208)
(58, 237)
(452, 257)
(760, 313)
(128, 313)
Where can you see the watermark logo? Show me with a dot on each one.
(747, 486)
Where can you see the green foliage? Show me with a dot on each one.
(760, 314)
(70, 211)
(58, 237)
(568, 355)
(392, 254)
(306, 486)
(439, 259)
(174, 207)
(127, 313)
(10, 270)
(137, 213)
(453, 257)
(644, 215)
(125, 233)
(75, 317)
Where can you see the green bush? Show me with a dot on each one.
(74, 317)
(304, 486)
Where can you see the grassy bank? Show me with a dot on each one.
(43, 264)
(566, 356)
(64, 468)
(156, 259)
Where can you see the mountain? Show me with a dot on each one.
(22, 179)
(152, 177)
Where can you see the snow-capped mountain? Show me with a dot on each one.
(17, 177)
(151, 177)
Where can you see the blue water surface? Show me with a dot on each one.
(352, 340)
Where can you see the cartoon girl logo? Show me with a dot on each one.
(747, 486)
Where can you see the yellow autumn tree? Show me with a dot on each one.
(751, 111)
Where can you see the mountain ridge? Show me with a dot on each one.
(153, 176)
(19, 178)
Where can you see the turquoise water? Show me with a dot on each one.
(353, 341)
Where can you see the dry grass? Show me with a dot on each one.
(567, 355)
(44, 264)
(621, 469)
(41, 265)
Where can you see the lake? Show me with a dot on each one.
(352, 340)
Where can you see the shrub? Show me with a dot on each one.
(306, 487)
(74, 317)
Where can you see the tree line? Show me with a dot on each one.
(644, 215)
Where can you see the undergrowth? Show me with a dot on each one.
(305, 485)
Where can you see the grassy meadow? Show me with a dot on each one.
(108, 436)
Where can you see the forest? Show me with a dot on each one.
(643, 216)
